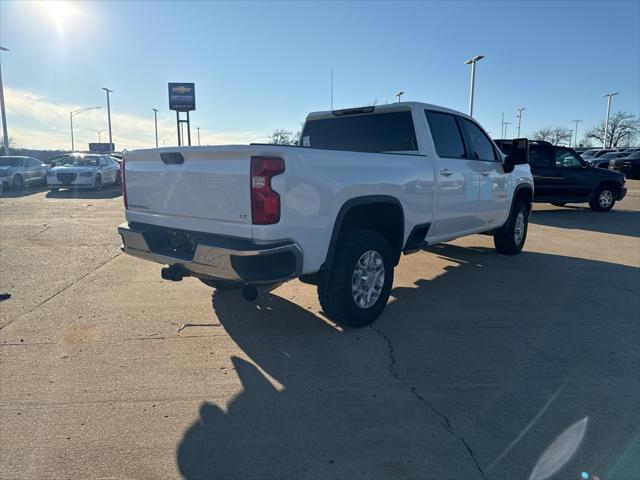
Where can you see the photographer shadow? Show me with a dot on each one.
(448, 359)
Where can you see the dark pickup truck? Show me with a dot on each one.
(560, 176)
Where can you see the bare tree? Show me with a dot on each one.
(554, 135)
(283, 137)
(624, 129)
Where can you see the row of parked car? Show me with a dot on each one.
(73, 170)
(625, 160)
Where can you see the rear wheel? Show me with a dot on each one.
(603, 199)
(221, 284)
(360, 279)
(18, 182)
(510, 238)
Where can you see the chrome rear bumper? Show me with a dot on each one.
(214, 256)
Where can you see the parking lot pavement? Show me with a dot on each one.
(482, 366)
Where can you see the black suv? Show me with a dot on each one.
(560, 176)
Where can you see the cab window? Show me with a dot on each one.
(446, 135)
(540, 156)
(565, 158)
(481, 146)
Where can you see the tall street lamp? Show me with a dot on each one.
(606, 123)
(198, 128)
(99, 134)
(506, 124)
(473, 62)
(5, 135)
(155, 117)
(73, 114)
(109, 116)
(520, 119)
(399, 95)
(575, 139)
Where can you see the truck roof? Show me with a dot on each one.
(390, 107)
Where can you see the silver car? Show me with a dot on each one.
(16, 172)
(83, 171)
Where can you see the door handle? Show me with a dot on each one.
(446, 172)
(484, 174)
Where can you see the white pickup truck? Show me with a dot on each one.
(363, 186)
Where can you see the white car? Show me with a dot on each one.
(17, 172)
(364, 186)
(80, 170)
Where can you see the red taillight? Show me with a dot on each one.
(123, 185)
(265, 203)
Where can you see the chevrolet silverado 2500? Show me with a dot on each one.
(362, 187)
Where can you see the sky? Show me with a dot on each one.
(259, 66)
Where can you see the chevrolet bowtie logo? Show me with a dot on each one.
(181, 89)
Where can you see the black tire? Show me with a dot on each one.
(558, 204)
(603, 199)
(221, 284)
(98, 183)
(505, 238)
(18, 182)
(335, 294)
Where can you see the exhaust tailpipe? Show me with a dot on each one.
(173, 273)
(250, 293)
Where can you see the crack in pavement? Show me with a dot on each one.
(61, 290)
(445, 422)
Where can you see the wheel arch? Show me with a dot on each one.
(382, 213)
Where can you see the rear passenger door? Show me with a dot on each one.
(456, 177)
(493, 198)
(547, 178)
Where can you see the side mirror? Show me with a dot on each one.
(517, 153)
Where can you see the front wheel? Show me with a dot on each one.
(18, 182)
(509, 239)
(603, 200)
(360, 279)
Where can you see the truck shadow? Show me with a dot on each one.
(617, 222)
(480, 347)
(111, 191)
(9, 192)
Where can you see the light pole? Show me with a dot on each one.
(109, 117)
(73, 114)
(473, 62)
(575, 138)
(606, 123)
(155, 118)
(5, 135)
(399, 95)
(99, 134)
(520, 119)
(198, 128)
(506, 124)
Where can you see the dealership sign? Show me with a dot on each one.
(182, 97)
(101, 147)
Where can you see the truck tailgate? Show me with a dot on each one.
(183, 186)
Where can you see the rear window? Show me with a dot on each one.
(375, 133)
(446, 135)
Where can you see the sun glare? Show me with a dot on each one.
(59, 12)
